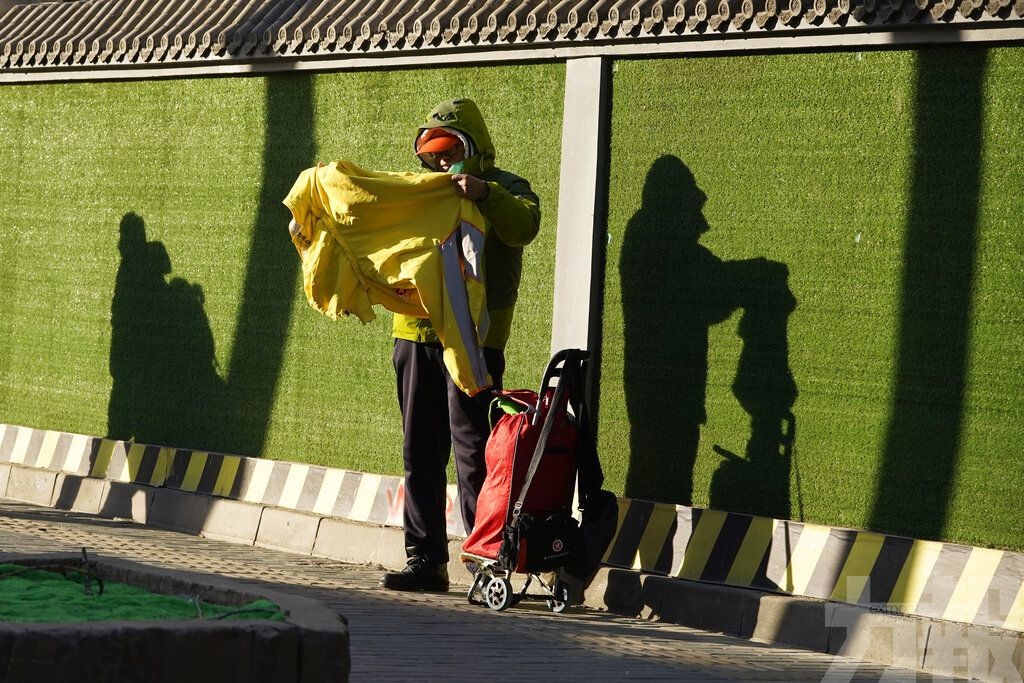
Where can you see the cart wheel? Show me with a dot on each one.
(498, 593)
(560, 598)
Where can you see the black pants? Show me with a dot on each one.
(437, 418)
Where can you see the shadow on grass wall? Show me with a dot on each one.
(923, 438)
(269, 293)
(673, 290)
(167, 388)
(162, 361)
(759, 482)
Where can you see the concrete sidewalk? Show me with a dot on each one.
(396, 636)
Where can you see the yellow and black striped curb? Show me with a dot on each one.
(890, 574)
(331, 492)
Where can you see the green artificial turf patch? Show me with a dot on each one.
(44, 596)
(148, 288)
(813, 289)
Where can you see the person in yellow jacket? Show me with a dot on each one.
(436, 416)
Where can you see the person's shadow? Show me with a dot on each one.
(760, 483)
(166, 388)
(673, 290)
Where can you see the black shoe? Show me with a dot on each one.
(418, 575)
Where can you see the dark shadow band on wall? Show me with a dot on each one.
(270, 290)
(925, 427)
(599, 258)
(9, 255)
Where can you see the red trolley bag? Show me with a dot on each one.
(524, 520)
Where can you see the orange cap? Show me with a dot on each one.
(436, 140)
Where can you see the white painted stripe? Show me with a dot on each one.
(917, 569)
(21, 445)
(258, 481)
(47, 450)
(365, 497)
(329, 491)
(453, 495)
(76, 453)
(132, 460)
(1015, 618)
(293, 485)
(120, 448)
(125, 474)
(972, 588)
(454, 516)
(805, 557)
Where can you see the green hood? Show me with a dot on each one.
(464, 116)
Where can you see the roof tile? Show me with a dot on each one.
(77, 33)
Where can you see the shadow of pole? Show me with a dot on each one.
(923, 438)
(268, 297)
(9, 255)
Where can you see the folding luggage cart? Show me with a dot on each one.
(524, 522)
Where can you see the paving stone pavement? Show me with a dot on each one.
(432, 637)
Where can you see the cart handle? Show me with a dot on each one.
(566, 360)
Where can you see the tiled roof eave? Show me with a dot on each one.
(166, 33)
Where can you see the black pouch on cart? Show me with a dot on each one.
(600, 519)
(535, 545)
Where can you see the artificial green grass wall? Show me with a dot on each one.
(148, 288)
(813, 289)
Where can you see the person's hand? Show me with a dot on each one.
(470, 187)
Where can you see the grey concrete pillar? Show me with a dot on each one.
(582, 205)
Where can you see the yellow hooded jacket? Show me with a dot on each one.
(405, 241)
(512, 211)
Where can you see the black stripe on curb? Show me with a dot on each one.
(723, 555)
